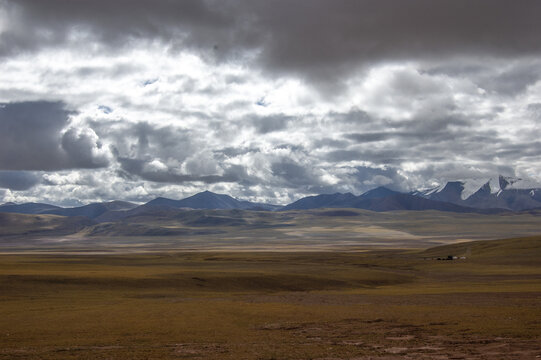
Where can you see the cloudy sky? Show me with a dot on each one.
(264, 100)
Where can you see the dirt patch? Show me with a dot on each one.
(401, 338)
(196, 350)
(386, 339)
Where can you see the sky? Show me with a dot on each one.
(266, 101)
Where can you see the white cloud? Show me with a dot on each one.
(162, 119)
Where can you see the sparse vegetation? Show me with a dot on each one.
(233, 230)
(282, 305)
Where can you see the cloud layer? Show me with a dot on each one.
(36, 136)
(265, 100)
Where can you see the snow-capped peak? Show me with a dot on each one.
(500, 192)
(435, 190)
(471, 186)
(508, 183)
(494, 184)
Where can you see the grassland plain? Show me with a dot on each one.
(376, 304)
(237, 230)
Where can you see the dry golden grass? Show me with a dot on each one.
(264, 305)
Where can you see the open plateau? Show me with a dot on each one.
(270, 180)
(212, 277)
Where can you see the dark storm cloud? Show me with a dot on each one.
(231, 152)
(137, 146)
(18, 180)
(111, 22)
(513, 151)
(501, 77)
(320, 40)
(291, 174)
(534, 110)
(329, 142)
(353, 117)
(428, 146)
(303, 179)
(514, 80)
(345, 155)
(146, 141)
(78, 145)
(367, 178)
(424, 135)
(137, 167)
(89, 72)
(378, 156)
(368, 137)
(267, 124)
(427, 136)
(326, 39)
(32, 138)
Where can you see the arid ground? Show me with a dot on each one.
(372, 304)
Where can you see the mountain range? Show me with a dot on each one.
(495, 195)
(501, 192)
(210, 200)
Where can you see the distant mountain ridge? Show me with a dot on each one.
(210, 200)
(502, 192)
(378, 199)
(117, 210)
(482, 196)
(91, 210)
(321, 201)
(28, 208)
(94, 210)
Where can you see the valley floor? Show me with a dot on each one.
(251, 231)
(378, 304)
